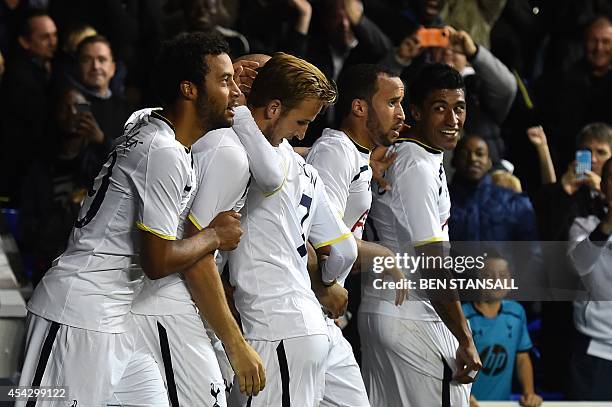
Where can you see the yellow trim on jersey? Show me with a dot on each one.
(144, 227)
(425, 146)
(331, 242)
(269, 194)
(427, 241)
(357, 144)
(194, 221)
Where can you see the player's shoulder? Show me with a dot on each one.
(218, 138)
(339, 140)
(412, 154)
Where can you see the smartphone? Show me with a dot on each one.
(583, 162)
(83, 107)
(433, 37)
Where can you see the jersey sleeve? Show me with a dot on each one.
(328, 230)
(335, 170)
(415, 203)
(221, 184)
(525, 341)
(266, 162)
(160, 195)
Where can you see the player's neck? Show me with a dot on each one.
(358, 134)
(187, 128)
(489, 309)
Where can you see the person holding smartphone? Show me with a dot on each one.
(591, 257)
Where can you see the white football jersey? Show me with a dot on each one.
(222, 172)
(145, 184)
(273, 293)
(344, 167)
(415, 211)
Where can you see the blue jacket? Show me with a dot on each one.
(487, 212)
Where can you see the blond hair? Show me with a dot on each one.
(506, 180)
(291, 80)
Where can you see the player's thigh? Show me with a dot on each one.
(185, 357)
(88, 363)
(343, 382)
(295, 373)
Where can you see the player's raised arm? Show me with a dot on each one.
(265, 162)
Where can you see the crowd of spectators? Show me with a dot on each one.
(538, 77)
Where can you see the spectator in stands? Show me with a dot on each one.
(591, 255)
(571, 99)
(490, 86)
(272, 27)
(66, 61)
(346, 37)
(500, 333)
(480, 210)
(23, 95)
(476, 18)
(558, 204)
(53, 189)
(96, 67)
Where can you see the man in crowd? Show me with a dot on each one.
(96, 67)
(421, 352)
(24, 100)
(371, 115)
(79, 315)
(591, 256)
(586, 86)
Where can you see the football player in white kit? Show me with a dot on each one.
(280, 314)
(164, 309)
(421, 353)
(80, 333)
(371, 114)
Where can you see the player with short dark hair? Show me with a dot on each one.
(420, 353)
(79, 321)
(371, 115)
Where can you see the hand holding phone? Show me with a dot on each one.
(433, 37)
(583, 163)
(83, 107)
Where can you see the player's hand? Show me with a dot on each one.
(244, 75)
(334, 299)
(249, 368)
(380, 162)
(86, 126)
(530, 400)
(396, 275)
(468, 362)
(227, 227)
(473, 401)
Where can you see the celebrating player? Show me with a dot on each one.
(370, 109)
(80, 330)
(421, 353)
(280, 314)
(166, 310)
